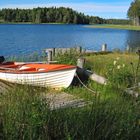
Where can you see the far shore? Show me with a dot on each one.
(113, 26)
(28, 23)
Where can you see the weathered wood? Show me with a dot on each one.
(97, 78)
(50, 49)
(63, 100)
(49, 56)
(56, 51)
(132, 90)
(81, 62)
(79, 49)
(84, 74)
(53, 62)
(128, 48)
(104, 48)
(132, 93)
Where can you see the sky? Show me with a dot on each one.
(101, 8)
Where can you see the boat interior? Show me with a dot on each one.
(21, 67)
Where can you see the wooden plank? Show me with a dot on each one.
(99, 79)
(50, 55)
(91, 75)
(22, 63)
(63, 100)
(81, 62)
(132, 93)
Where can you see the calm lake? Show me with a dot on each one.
(24, 39)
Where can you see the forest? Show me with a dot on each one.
(134, 12)
(52, 15)
(46, 15)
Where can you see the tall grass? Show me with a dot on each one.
(111, 115)
(24, 115)
(116, 67)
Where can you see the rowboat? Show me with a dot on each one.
(37, 74)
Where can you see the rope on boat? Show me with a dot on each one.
(89, 89)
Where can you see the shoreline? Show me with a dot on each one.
(113, 26)
(107, 26)
(28, 23)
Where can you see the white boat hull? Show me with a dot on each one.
(54, 79)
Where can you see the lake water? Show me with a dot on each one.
(26, 39)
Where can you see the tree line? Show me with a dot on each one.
(118, 21)
(53, 15)
(134, 12)
(46, 15)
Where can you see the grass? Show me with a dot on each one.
(112, 114)
(25, 116)
(126, 27)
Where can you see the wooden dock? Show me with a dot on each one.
(63, 100)
(56, 51)
(53, 52)
(55, 100)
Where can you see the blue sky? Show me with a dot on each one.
(101, 8)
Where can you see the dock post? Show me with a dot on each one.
(49, 56)
(79, 49)
(53, 52)
(104, 47)
(81, 62)
(128, 49)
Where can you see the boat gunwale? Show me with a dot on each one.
(35, 72)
